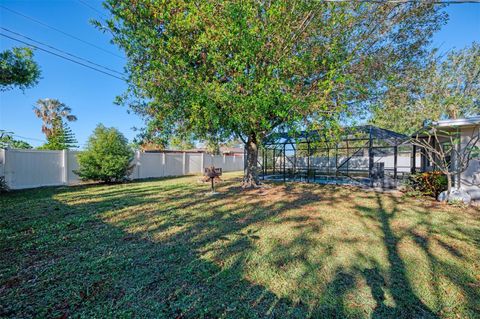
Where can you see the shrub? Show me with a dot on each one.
(428, 183)
(107, 156)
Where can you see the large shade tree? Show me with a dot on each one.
(247, 68)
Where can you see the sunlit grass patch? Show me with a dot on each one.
(163, 248)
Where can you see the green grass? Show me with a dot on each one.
(162, 248)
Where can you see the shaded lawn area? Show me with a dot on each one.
(162, 248)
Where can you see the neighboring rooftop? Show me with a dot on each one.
(223, 150)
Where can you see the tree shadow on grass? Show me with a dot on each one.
(432, 241)
(377, 284)
(170, 251)
(400, 286)
(81, 263)
(407, 302)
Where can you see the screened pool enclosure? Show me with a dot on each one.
(362, 155)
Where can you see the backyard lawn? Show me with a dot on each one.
(161, 248)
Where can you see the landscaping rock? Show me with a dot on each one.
(456, 196)
(442, 197)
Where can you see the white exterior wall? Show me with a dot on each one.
(470, 179)
(36, 168)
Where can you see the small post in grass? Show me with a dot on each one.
(213, 174)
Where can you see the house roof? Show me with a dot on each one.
(470, 121)
(447, 125)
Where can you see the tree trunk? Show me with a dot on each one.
(250, 178)
(449, 184)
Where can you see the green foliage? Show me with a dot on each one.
(447, 150)
(437, 90)
(427, 183)
(212, 145)
(458, 83)
(17, 144)
(153, 136)
(18, 69)
(107, 156)
(235, 142)
(185, 142)
(475, 152)
(8, 141)
(61, 138)
(246, 68)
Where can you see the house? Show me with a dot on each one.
(467, 132)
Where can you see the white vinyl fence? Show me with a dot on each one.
(36, 168)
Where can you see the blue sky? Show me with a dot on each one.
(91, 94)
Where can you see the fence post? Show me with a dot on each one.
(8, 168)
(138, 163)
(395, 163)
(164, 161)
(184, 164)
(203, 163)
(2, 162)
(3, 168)
(65, 167)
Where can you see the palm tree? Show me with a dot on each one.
(49, 110)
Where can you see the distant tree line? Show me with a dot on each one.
(447, 87)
